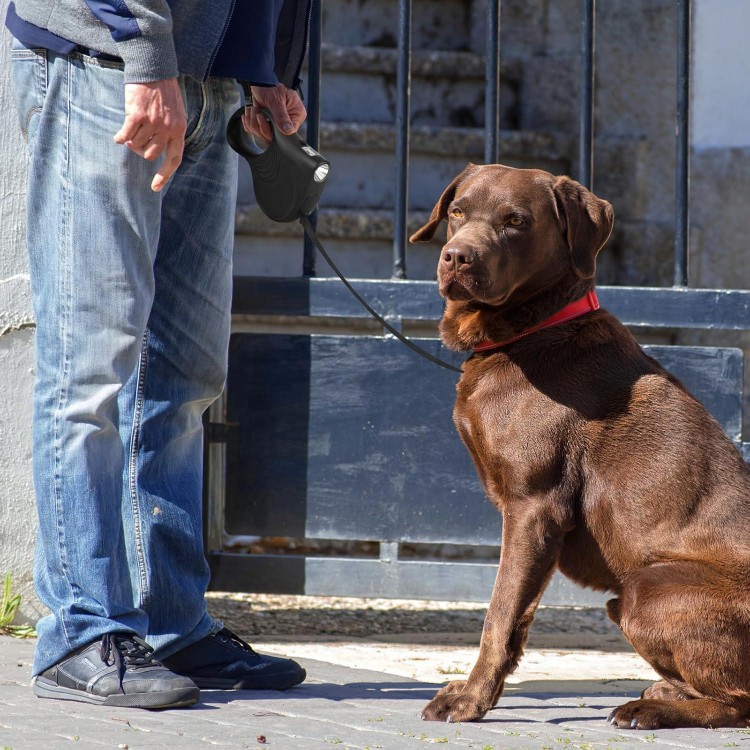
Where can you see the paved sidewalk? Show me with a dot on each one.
(339, 706)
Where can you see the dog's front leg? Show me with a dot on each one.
(531, 543)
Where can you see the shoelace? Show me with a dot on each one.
(125, 651)
(226, 635)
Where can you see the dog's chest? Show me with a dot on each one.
(503, 407)
(515, 434)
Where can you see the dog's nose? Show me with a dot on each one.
(458, 257)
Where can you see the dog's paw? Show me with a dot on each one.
(672, 714)
(665, 691)
(455, 706)
(642, 714)
(451, 688)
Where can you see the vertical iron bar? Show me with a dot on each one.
(492, 84)
(403, 94)
(682, 169)
(586, 129)
(313, 114)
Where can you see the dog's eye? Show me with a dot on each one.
(515, 221)
(457, 213)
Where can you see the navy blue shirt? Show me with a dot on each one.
(245, 50)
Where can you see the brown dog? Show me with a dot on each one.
(601, 463)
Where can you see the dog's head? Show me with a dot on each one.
(512, 232)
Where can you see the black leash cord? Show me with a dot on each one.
(418, 349)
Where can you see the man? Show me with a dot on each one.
(130, 226)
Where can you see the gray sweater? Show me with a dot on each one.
(160, 39)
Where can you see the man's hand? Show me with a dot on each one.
(155, 123)
(285, 106)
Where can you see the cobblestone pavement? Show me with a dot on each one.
(354, 708)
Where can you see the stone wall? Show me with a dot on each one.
(17, 514)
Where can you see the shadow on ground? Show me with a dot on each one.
(555, 691)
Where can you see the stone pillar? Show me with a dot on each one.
(720, 139)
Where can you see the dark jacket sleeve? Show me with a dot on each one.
(292, 36)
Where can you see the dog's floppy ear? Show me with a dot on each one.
(440, 210)
(587, 222)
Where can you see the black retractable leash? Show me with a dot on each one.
(288, 178)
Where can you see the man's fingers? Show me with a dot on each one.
(250, 124)
(143, 137)
(298, 117)
(262, 126)
(129, 130)
(281, 117)
(296, 110)
(172, 160)
(154, 147)
(285, 106)
(154, 125)
(257, 123)
(151, 148)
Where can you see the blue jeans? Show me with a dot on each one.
(132, 294)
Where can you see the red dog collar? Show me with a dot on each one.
(586, 304)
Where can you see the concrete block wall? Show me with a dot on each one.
(17, 513)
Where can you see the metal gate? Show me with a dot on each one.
(348, 437)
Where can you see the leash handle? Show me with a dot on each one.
(310, 232)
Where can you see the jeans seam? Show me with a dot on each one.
(25, 54)
(64, 289)
(26, 124)
(133, 455)
(43, 71)
(42, 78)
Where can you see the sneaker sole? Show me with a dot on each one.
(282, 681)
(176, 698)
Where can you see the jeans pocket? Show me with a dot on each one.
(99, 62)
(29, 77)
(197, 135)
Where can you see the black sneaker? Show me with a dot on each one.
(223, 661)
(118, 670)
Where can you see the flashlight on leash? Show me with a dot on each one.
(288, 176)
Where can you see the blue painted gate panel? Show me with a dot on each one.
(352, 438)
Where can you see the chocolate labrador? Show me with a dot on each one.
(603, 466)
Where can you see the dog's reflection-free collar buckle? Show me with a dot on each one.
(586, 304)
